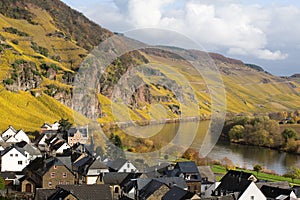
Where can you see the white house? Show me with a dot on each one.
(253, 193)
(11, 131)
(13, 159)
(96, 171)
(64, 146)
(240, 184)
(22, 136)
(11, 135)
(121, 165)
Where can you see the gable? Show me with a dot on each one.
(22, 136)
(9, 132)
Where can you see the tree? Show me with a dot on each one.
(236, 132)
(64, 127)
(289, 133)
(293, 173)
(257, 168)
(2, 183)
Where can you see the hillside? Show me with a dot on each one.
(43, 43)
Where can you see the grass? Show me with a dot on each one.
(221, 170)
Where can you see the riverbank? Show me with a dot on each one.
(221, 170)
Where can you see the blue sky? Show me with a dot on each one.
(266, 33)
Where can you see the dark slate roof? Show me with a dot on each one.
(234, 182)
(125, 198)
(160, 168)
(89, 192)
(32, 150)
(8, 175)
(114, 178)
(281, 184)
(187, 167)
(273, 192)
(177, 193)
(128, 183)
(296, 189)
(5, 151)
(173, 181)
(59, 194)
(149, 189)
(97, 164)
(66, 160)
(116, 164)
(228, 197)
(82, 130)
(43, 193)
(83, 161)
(240, 174)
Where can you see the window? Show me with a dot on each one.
(55, 167)
(128, 165)
(16, 155)
(64, 175)
(52, 174)
(252, 198)
(60, 183)
(67, 183)
(11, 155)
(124, 170)
(20, 162)
(50, 183)
(116, 189)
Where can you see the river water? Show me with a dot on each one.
(241, 155)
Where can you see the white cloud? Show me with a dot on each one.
(238, 29)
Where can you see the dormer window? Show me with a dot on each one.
(52, 174)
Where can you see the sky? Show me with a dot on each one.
(262, 32)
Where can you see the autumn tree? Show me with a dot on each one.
(236, 132)
(64, 127)
(293, 173)
(257, 168)
(289, 133)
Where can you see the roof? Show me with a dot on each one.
(127, 184)
(89, 192)
(43, 193)
(234, 181)
(83, 131)
(206, 172)
(32, 150)
(66, 160)
(8, 175)
(117, 164)
(177, 193)
(296, 189)
(149, 189)
(114, 178)
(97, 164)
(187, 167)
(160, 168)
(240, 174)
(281, 184)
(8, 149)
(273, 192)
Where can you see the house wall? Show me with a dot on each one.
(210, 189)
(58, 177)
(9, 161)
(194, 187)
(62, 148)
(23, 186)
(90, 180)
(9, 132)
(71, 197)
(252, 190)
(21, 136)
(77, 138)
(128, 167)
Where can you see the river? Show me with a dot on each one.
(240, 155)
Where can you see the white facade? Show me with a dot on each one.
(252, 193)
(13, 160)
(9, 132)
(63, 147)
(22, 136)
(12, 139)
(128, 167)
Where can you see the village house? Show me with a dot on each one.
(14, 159)
(121, 165)
(95, 172)
(11, 135)
(190, 173)
(278, 193)
(241, 185)
(78, 135)
(49, 128)
(46, 174)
